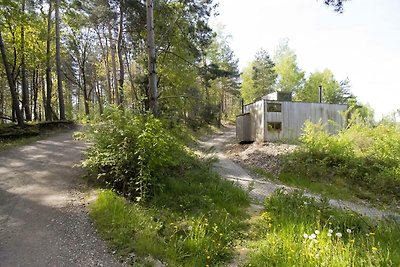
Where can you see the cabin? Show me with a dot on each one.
(276, 118)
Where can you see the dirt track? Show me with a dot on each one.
(259, 188)
(43, 215)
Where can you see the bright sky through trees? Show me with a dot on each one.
(362, 44)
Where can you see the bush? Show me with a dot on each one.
(130, 152)
(362, 155)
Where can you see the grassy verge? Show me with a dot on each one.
(193, 220)
(296, 230)
(335, 188)
(11, 135)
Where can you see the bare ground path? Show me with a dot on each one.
(260, 188)
(43, 216)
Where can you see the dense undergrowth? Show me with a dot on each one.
(187, 215)
(364, 159)
(296, 230)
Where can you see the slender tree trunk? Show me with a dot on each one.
(25, 93)
(99, 97)
(113, 64)
(85, 92)
(48, 114)
(152, 59)
(120, 98)
(58, 63)
(35, 89)
(11, 83)
(44, 100)
(135, 97)
(106, 65)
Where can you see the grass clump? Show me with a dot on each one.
(193, 220)
(296, 230)
(364, 160)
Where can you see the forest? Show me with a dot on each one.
(69, 60)
(150, 81)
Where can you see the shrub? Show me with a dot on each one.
(362, 155)
(130, 152)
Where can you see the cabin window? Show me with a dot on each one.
(274, 126)
(274, 107)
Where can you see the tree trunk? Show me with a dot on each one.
(99, 97)
(42, 85)
(48, 114)
(135, 97)
(58, 63)
(35, 89)
(120, 98)
(11, 83)
(106, 64)
(153, 94)
(25, 93)
(113, 64)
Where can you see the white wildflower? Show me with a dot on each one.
(317, 255)
(339, 234)
(312, 236)
(316, 232)
(329, 234)
(348, 231)
(305, 235)
(330, 231)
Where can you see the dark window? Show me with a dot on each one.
(274, 126)
(274, 107)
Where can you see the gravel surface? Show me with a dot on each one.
(224, 147)
(43, 213)
(263, 155)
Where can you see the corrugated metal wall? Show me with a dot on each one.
(293, 115)
(289, 122)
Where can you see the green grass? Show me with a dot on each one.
(337, 189)
(295, 230)
(194, 220)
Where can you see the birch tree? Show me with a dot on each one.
(153, 94)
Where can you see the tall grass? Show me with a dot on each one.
(296, 230)
(193, 221)
(364, 157)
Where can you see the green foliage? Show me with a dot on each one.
(314, 234)
(131, 152)
(332, 90)
(193, 220)
(290, 78)
(258, 77)
(362, 156)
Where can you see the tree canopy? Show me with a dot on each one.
(259, 77)
(94, 54)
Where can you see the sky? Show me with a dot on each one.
(362, 44)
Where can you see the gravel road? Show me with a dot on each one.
(214, 146)
(43, 214)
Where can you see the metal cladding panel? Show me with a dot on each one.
(293, 115)
(243, 129)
